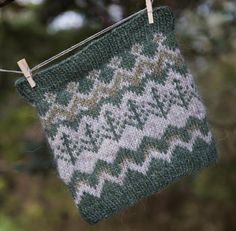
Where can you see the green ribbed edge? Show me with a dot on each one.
(137, 186)
(96, 53)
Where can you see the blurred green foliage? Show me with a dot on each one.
(31, 195)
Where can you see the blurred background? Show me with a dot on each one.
(32, 198)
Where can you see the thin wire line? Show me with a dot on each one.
(10, 71)
(83, 42)
(53, 58)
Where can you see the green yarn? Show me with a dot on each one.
(122, 116)
(137, 186)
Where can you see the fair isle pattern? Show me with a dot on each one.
(132, 125)
(127, 165)
(122, 77)
(141, 114)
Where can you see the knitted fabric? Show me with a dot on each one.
(123, 116)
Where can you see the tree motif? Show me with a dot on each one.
(160, 104)
(110, 121)
(134, 108)
(66, 143)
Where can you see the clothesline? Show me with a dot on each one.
(57, 56)
(10, 71)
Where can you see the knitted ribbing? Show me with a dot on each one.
(123, 116)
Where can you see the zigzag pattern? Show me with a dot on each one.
(123, 121)
(183, 134)
(155, 127)
(120, 101)
(125, 125)
(122, 78)
(83, 187)
(95, 112)
(145, 102)
(137, 186)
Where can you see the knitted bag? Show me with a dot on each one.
(122, 116)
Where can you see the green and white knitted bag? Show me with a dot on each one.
(122, 116)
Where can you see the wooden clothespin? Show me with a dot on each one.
(23, 65)
(150, 11)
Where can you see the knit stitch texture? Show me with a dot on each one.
(123, 116)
